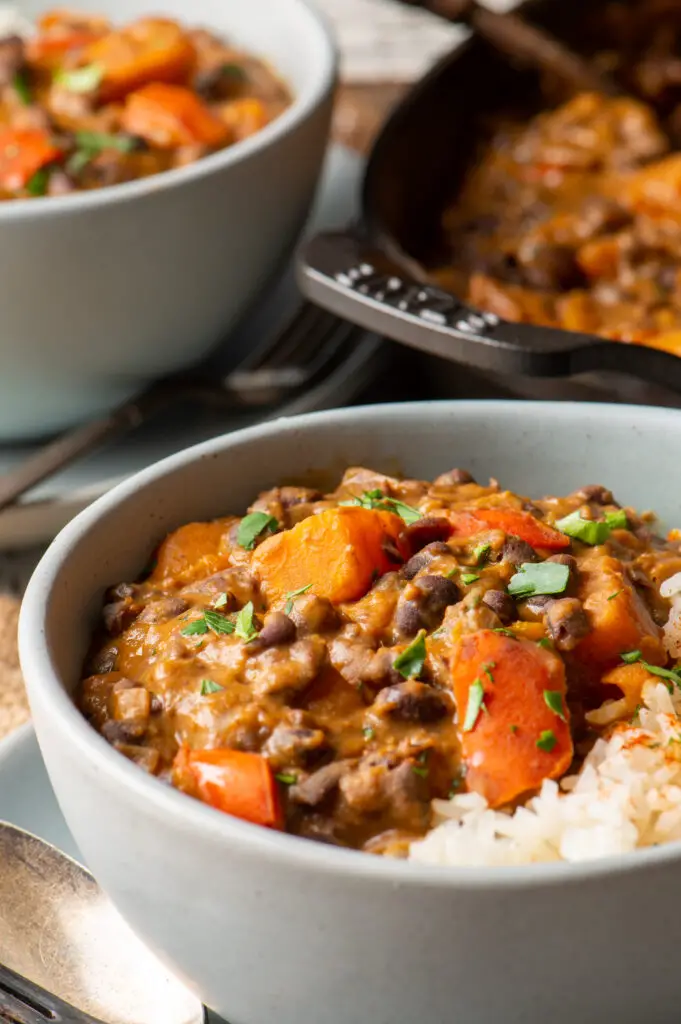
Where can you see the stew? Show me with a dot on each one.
(570, 217)
(84, 104)
(328, 664)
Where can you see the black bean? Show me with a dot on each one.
(278, 629)
(553, 268)
(538, 605)
(418, 562)
(411, 701)
(131, 731)
(517, 551)
(408, 618)
(428, 530)
(391, 551)
(163, 610)
(317, 787)
(118, 617)
(120, 592)
(440, 590)
(597, 493)
(312, 614)
(454, 477)
(564, 559)
(103, 661)
(567, 622)
(501, 604)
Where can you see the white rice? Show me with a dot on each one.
(13, 23)
(627, 795)
(671, 589)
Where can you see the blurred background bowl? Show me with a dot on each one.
(104, 291)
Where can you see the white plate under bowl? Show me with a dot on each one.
(38, 518)
(27, 798)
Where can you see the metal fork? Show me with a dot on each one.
(306, 350)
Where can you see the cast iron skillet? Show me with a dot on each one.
(371, 274)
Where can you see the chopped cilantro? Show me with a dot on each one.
(209, 686)
(589, 531)
(220, 601)
(410, 662)
(252, 525)
(22, 88)
(539, 578)
(378, 500)
(611, 597)
(245, 627)
(476, 701)
(487, 669)
(505, 632)
(617, 520)
(286, 780)
(421, 767)
(547, 740)
(469, 577)
(81, 80)
(554, 701)
(481, 552)
(290, 598)
(99, 141)
(217, 622)
(195, 628)
(545, 643)
(629, 657)
(513, 728)
(368, 733)
(235, 71)
(37, 184)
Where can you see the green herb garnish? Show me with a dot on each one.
(513, 728)
(22, 88)
(476, 702)
(81, 80)
(469, 577)
(611, 597)
(487, 669)
(617, 520)
(505, 632)
(198, 626)
(539, 578)
(554, 701)
(209, 686)
(587, 530)
(481, 552)
(547, 740)
(290, 598)
(286, 780)
(671, 675)
(251, 526)
(421, 767)
(410, 662)
(37, 184)
(99, 141)
(378, 500)
(368, 733)
(220, 601)
(245, 627)
(235, 71)
(545, 643)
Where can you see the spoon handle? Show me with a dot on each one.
(24, 1002)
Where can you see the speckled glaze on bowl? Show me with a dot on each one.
(269, 927)
(104, 291)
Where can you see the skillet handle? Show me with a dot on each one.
(341, 273)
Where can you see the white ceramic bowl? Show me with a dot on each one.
(270, 927)
(102, 292)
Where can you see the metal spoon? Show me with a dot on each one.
(66, 954)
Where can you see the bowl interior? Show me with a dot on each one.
(280, 31)
(534, 448)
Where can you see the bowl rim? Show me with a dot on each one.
(146, 792)
(304, 104)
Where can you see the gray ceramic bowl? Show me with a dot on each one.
(104, 291)
(268, 927)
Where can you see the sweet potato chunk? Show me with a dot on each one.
(170, 116)
(149, 50)
(192, 552)
(619, 619)
(520, 734)
(338, 553)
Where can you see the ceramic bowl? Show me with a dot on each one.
(101, 292)
(267, 926)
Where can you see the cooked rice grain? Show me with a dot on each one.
(627, 796)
